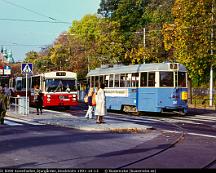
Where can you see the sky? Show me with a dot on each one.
(21, 37)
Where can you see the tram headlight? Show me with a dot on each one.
(74, 99)
(74, 95)
(48, 96)
(48, 99)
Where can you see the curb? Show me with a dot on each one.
(97, 128)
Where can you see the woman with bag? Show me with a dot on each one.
(101, 110)
(90, 106)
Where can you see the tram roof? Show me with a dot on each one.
(118, 69)
(58, 74)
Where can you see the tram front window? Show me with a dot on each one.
(60, 85)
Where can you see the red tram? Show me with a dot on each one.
(59, 88)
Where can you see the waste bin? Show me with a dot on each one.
(22, 105)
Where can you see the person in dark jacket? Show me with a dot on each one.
(3, 105)
(38, 98)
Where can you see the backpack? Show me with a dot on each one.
(86, 99)
(94, 99)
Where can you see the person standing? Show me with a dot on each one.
(90, 106)
(3, 105)
(7, 92)
(38, 99)
(101, 110)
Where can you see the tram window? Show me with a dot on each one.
(123, 80)
(166, 79)
(111, 80)
(91, 81)
(19, 85)
(60, 85)
(117, 76)
(96, 83)
(101, 79)
(128, 77)
(135, 80)
(106, 81)
(143, 82)
(181, 79)
(35, 81)
(151, 79)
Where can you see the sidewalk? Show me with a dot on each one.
(76, 122)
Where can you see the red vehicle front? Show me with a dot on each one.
(58, 88)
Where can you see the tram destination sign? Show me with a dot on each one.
(27, 68)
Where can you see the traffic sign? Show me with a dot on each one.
(7, 70)
(27, 68)
(1, 70)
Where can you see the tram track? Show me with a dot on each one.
(183, 133)
(179, 129)
(171, 145)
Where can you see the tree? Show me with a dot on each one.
(107, 7)
(31, 57)
(189, 36)
(101, 39)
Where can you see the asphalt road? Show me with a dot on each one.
(176, 142)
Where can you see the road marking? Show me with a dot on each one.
(193, 134)
(10, 123)
(21, 121)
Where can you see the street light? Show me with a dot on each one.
(212, 53)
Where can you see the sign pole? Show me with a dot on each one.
(26, 68)
(26, 93)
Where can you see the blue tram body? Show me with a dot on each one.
(157, 87)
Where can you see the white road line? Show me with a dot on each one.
(193, 134)
(22, 121)
(10, 123)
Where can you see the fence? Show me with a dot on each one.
(200, 99)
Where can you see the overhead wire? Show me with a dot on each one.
(31, 20)
(33, 11)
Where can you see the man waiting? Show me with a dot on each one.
(3, 108)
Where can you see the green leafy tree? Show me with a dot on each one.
(107, 7)
(101, 39)
(31, 57)
(189, 36)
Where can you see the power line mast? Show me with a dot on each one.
(212, 54)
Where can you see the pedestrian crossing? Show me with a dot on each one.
(18, 122)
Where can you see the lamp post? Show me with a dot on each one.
(212, 53)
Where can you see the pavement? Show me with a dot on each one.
(64, 119)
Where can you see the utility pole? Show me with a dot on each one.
(144, 37)
(212, 53)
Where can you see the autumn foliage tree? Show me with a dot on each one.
(189, 36)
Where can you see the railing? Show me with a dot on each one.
(18, 105)
(200, 99)
(201, 102)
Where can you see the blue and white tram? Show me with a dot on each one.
(155, 87)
